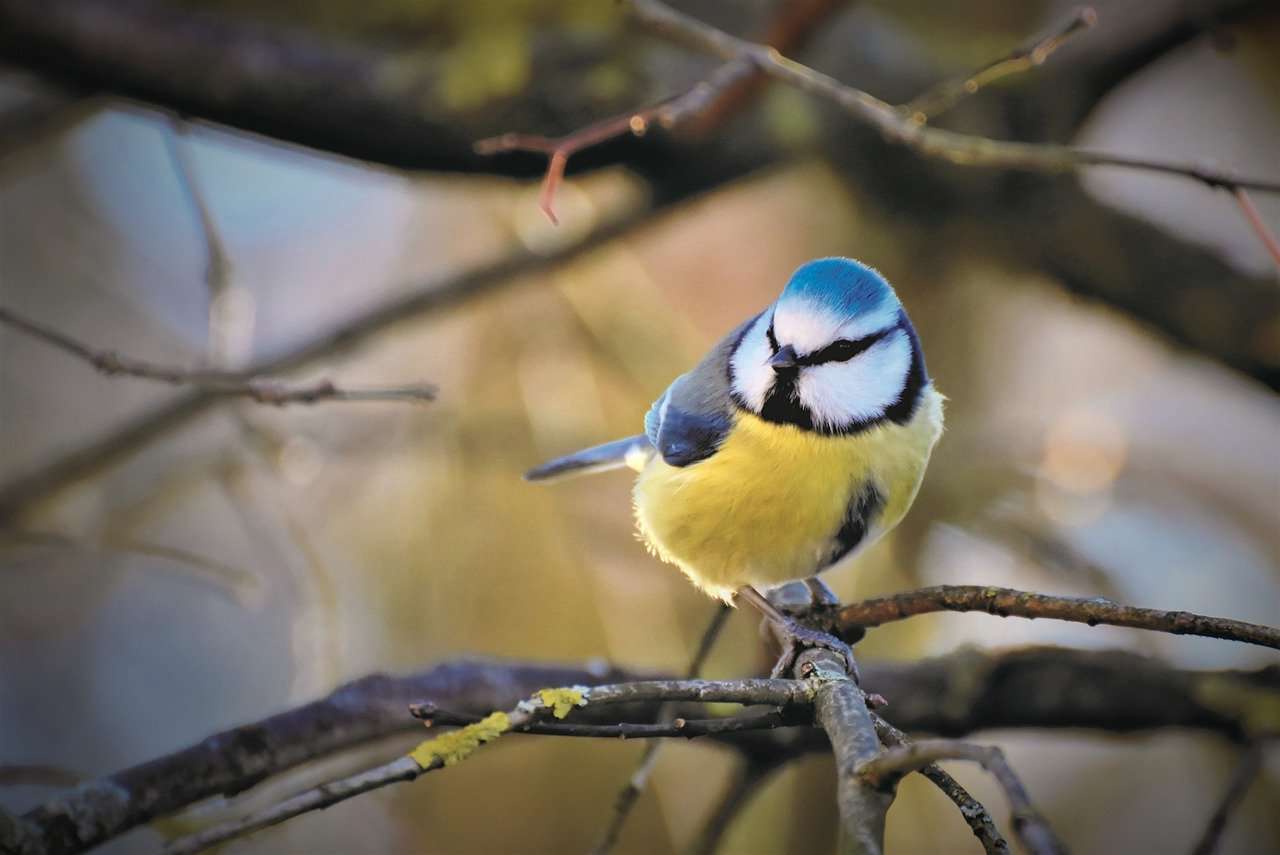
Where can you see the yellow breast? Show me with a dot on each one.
(764, 508)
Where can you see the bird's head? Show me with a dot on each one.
(835, 354)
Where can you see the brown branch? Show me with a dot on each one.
(400, 770)
(709, 102)
(886, 769)
(787, 694)
(264, 390)
(974, 813)
(687, 728)
(560, 149)
(841, 709)
(639, 778)
(953, 695)
(1259, 225)
(1007, 602)
(1242, 778)
(948, 93)
(897, 127)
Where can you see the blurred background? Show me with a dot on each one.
(172, 565)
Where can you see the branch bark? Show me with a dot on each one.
(887, 768)
(951, 695)
(1008, 602)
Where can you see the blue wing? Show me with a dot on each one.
(694, 416)
(686, 424)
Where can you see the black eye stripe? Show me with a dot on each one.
(773, 339)
(844, 350)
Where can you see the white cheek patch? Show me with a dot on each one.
(752, 375)
(804, 326)
(842, 393)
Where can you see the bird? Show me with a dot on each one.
(796, 443)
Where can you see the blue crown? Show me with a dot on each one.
(839, 285)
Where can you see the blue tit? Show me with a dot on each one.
(796, 443)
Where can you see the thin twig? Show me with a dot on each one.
(899, 128)
(743, 785)
(948, 93)
(635, 786)
(1259, 225)
(217, 273)
(264, 390)
(316, 798)
(709, 101)
(787, 694)
(1242, 778)
(1108, 691)
(974, 813)
(31, 486)
(689, 728)
(1028, 825)
(1008, 602)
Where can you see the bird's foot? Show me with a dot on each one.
(794, 637)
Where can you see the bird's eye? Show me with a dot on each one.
(773, 339)
(842, 350)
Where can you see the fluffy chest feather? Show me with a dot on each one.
(766, 507)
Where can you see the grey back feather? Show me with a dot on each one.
(686, 424)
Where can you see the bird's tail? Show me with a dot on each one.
(634, 451)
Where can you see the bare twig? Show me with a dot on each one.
(217, 273)
(972, 811)
(781, 693)
(35, 485)
(743, 785)
(948, 93)
(1259, 225)
(1245, 772)
(1008, 602)
(264, 390)
(639, 779)
(898, 127)
(688, 728)
(1030, 827)
(1111, 691)
(710, 102)
(317, 798)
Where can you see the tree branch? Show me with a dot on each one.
(787, 694)
(264, 390)
(951, 695)
(887, 768)
(948, 93)
(742, 786)
(1259, 225)
(707, 103)
(1242, 778)
(897, 127)
(1007, 602)
(972, 811)
(639, 779)
(417, 301)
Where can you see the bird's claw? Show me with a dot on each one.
(796, 637)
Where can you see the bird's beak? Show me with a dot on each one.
(784, 358)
